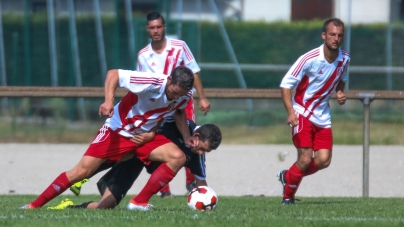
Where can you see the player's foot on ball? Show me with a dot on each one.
(288, 201)
(143, 207)
(190, 186)
(282, 179)
(27, 207)
(166, 195)
(63, 205)
(76, 187)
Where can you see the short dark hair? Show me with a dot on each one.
(211, 133)
(182, 76)
(337, 22)
(154, 16)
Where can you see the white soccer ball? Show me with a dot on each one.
(202, 198)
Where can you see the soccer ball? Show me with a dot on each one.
(202, 198)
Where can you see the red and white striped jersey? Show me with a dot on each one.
(175, 54)
(145, 104)
(315, 80)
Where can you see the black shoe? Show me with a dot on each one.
(166, 195)
(190, 186)
(282, 179)
(288, 201)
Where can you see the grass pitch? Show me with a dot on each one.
(231, 211)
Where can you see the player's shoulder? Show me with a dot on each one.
(143, 50)
(311, 54)
(176, 42)
(345, 54)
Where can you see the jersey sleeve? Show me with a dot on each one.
(345, 72)
(295, 74)
(141, 64)
(189, 60)
(197, 166)
(137, 82)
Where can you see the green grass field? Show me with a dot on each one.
(231, 211)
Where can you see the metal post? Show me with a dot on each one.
(348, 35)
(52, 43)
(4, 101)
(100, 41)
(131, 36)
(366, 98)
(179, 22)
(76, 57)
(230, 50)
(389, 58)
(27, 42)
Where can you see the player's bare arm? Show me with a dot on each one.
(182, 125)
(287, 102)
(341, 98)
(111, 83)
(204, 104)
(145, 137)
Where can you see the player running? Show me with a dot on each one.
(314, 76)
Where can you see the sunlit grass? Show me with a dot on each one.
(231, 211)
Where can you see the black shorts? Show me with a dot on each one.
(120, 178)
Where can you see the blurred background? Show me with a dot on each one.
(237, 43)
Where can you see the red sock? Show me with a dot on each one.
(189, 176)
(312, 168)
(165, 188)
(57, 187)
(293, 178)
(160, 177)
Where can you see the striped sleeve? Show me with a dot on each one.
(299, 69)
(138, 82)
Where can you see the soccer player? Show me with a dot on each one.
(151, 97)
(162, 55)
(314, 77)
(114, 185)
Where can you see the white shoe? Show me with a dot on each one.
(132, 206)
(26, 207)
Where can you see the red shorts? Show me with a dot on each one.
(189, 110)
(110, 145)
(307, 134)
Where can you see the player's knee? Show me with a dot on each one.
(324, 164)
(304, 161)
(178, 158)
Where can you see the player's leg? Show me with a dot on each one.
(83, 169)
(114, 185)
(303, 141)
(106, 145)
(173, 159)
(322, 145)
(76, 187)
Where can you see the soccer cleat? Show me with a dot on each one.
(288, 201)
(282, 179)
(27, 207)
(76, 188)
(132, 206)
(190, 186)
(63, 205)
(166, 195)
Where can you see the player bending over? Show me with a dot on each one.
(114, 185)
(151, 98)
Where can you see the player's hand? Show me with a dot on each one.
(106, 109)
(191, 141)
(293, 120)
(143, 138)
(341, 98)
(204, 105)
